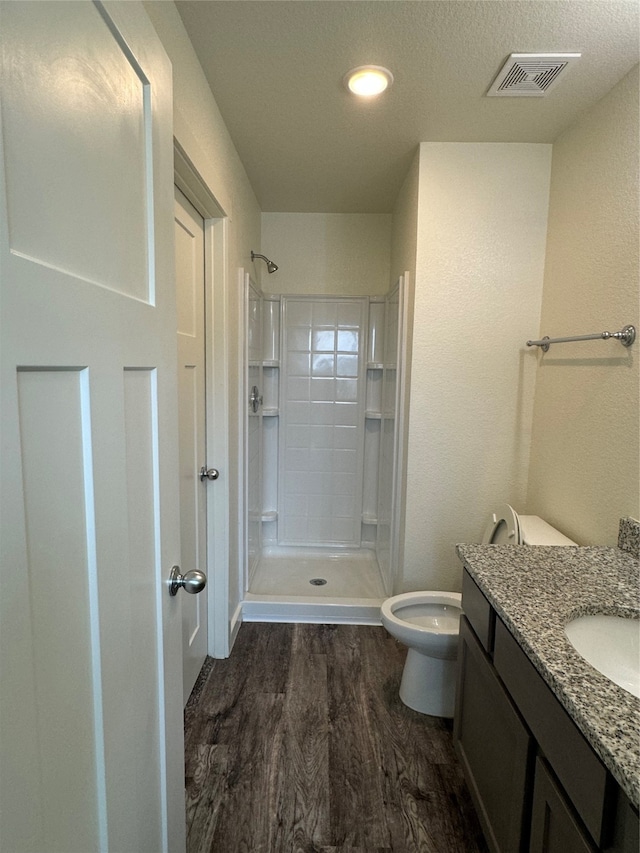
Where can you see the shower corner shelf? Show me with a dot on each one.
(271, 362)
(375, 365)
(269, 515)
(373, 416)
(369, 519)
(271, 412)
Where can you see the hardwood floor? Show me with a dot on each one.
(299, 743)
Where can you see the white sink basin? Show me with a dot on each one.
(611, 644)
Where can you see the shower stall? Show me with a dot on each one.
(323, 455)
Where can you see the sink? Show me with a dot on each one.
(611, 644)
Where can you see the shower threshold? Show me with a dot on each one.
(315, 585)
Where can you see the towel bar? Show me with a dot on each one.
(626, 336)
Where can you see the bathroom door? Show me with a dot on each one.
(189, 239)
(91, 699)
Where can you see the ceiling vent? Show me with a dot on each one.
(531, 75)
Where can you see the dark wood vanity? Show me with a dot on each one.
(537, 784)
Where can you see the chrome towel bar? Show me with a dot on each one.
(626, 336)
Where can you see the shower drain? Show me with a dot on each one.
(317, 581)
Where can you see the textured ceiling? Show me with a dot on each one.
(276, 66)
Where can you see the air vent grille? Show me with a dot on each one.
(531, 75)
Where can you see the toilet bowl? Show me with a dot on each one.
(427, 622)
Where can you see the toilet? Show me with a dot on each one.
(428, 622)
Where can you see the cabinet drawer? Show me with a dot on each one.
(580, 771)
(478, 611)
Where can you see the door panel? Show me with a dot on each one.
(90, 707)
(110, 123)
(189, 231)
(58, 496)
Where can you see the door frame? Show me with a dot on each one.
(191, 184)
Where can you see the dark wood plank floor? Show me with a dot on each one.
(298, 743)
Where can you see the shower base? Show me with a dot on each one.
(285, 587)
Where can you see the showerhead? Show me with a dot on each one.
(271, 267)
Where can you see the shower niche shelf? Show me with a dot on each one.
(270, 414)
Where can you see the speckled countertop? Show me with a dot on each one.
(536, 591)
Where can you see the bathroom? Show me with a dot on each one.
(478, 423)
(488, 419)
(497, 242)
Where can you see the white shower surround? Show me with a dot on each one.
(324, 412)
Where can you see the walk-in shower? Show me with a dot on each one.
(322, 386)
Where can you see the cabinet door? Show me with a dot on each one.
(494, 747)
(554, 828)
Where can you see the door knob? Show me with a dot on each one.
(192, 582)
(208, 473)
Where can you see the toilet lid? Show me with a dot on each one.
(503, 527)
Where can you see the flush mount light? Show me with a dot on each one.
(367, 81)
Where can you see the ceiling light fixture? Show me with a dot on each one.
(367, 81)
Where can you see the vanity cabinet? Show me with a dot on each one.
(494, 746)
(554, 828)
(537, 784)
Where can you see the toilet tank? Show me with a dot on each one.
(536, 531)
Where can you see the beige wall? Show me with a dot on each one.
(199, 128)
(326, 253)
(584, 463)
(482, 220)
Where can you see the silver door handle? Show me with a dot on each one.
(255, 400)
(192, 582)
(208, 473)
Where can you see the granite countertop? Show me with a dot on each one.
(536, 591)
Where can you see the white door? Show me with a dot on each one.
(91, 698)
(189, 241)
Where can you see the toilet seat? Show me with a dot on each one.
(503, 527)
(424, 612)
(506, 527)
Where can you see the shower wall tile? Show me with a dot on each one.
(347, 438)
(299, 313)
(347, 390)
(346, 414)
(297, 363)
(322, 390)
(299, 338)
(299, 388)
(323, 364)
(324, 340)
(347, 365)
(322, 412)
(299, 412)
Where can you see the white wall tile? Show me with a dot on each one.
(322, 413)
